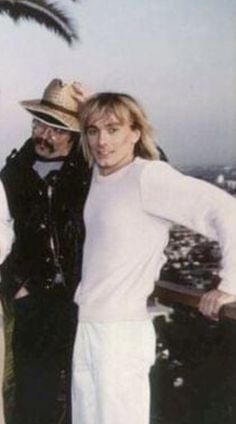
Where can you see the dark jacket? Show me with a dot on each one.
(48, 223)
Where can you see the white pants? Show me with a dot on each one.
(111, 367)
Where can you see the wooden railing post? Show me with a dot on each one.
(170, 293)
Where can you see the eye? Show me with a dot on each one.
(91, 131)
(38, 125)
(58, 131)
(112, 130)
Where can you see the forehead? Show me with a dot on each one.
(108, 119)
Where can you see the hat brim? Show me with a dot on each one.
(68, 121)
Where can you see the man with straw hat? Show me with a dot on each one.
(46, 182)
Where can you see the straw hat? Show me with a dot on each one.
(58, 106)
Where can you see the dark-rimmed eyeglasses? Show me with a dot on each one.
(40, 127)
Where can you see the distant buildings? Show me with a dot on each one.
(193, 260)
(222, 176)
(228, 185)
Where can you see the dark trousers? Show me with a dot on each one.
(42, 347)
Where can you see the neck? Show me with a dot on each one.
(108, 171)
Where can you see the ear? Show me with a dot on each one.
(136, 135)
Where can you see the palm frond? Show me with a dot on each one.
(44, 13)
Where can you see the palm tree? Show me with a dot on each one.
(43, 12)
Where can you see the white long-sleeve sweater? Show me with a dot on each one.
(127, 216)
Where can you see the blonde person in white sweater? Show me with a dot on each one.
(134, 199)
(6, 238)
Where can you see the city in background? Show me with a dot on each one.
(194, 260)
(194, 378)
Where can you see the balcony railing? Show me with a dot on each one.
(169, 293)
(194, 377)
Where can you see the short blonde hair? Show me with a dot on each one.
(126, 109)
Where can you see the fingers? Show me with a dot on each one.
(209, 304)
(212, 301)
(81, 92)
(22, 292)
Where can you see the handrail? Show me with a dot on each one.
(170, 293)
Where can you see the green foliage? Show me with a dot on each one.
(44, 13)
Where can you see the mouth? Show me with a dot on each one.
(104, 155)
(44, 145)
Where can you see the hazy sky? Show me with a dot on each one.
(177, 57)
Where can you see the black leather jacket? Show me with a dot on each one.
(48, 223)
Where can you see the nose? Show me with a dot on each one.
(102, 139)
(46, 133)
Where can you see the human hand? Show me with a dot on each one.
(81, 92)
(212, 301)
(22, 292)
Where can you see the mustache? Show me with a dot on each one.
(44, 143)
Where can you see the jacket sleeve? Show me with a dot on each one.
(196, 204)
(6, 226)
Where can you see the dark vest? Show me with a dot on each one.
(48, 223)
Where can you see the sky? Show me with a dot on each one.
(177, 57)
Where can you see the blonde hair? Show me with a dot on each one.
(126, 109)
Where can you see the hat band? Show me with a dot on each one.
(59, 108)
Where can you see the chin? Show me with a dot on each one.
(43, 152)
(104, 163)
